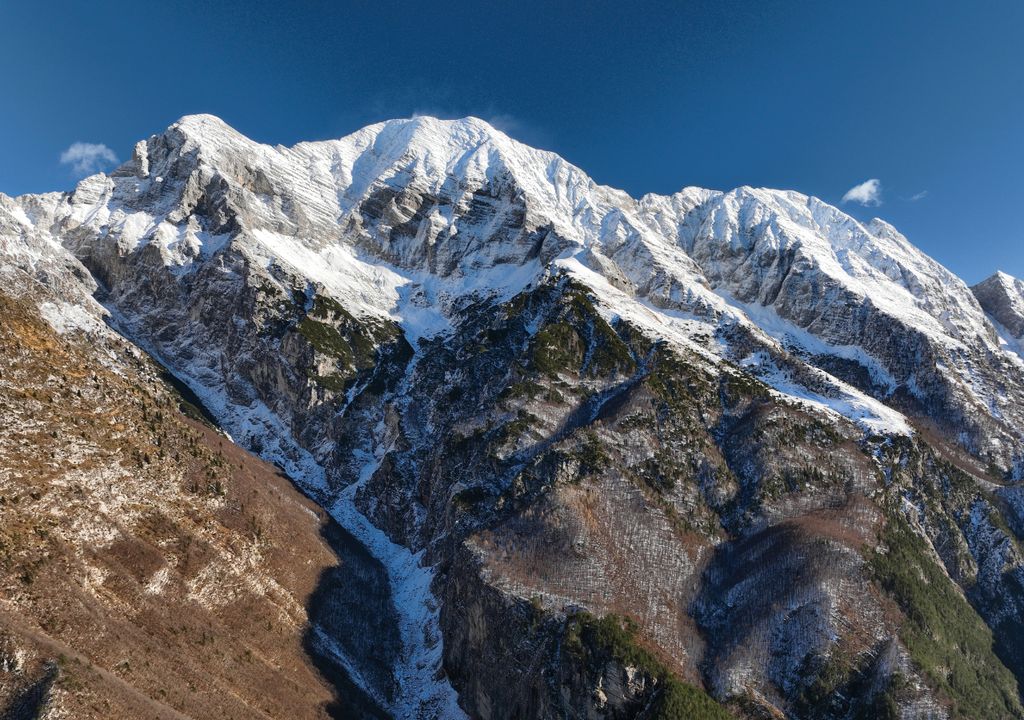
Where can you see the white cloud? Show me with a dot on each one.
(919, 196)
(87, 158)
(868, 192)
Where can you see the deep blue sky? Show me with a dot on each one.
(648, 97)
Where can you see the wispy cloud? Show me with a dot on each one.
(868, 192)
(87, 158)
(511, 125)
(918, 196)
(507, 123)
(442, 101)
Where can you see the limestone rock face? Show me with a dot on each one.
(682, 456)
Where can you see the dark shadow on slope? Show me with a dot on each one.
(31, 702)
(765, 602)
(188, 402)
(351, 614)
(350, 611)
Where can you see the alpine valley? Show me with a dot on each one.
(425, 423)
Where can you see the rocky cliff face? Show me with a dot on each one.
(685, 456)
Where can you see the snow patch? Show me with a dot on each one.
(791, 337)
(66, 318)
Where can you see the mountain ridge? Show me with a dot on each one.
(780, 250)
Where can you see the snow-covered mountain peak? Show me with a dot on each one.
(454, 159)
(460, 196)
(406, 219)
(201, 135)
(755, 243)
(1002, 297)
(429, 137)
(450, 160)
(1007, 281)
(203, 125)
(397, 164)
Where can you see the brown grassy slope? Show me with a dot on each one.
(148, 567)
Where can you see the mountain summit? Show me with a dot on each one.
(701, 454)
